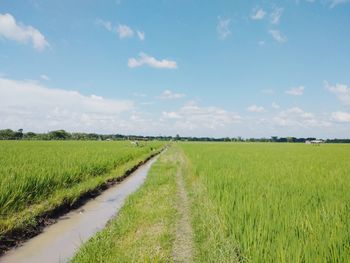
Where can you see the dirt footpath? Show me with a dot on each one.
(183, 247)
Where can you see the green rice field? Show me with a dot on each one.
(259, 202)
(37, 176)
(246, 202)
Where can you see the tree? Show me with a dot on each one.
(291, 139)
(18, 135)
(29, 135)
(6, 134)
(59, 135)
(274, 138)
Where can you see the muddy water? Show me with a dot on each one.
(59, 242)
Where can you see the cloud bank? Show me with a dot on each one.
(255, 108)
(193, 117)
(32, 106)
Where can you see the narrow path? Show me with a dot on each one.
(183, 247)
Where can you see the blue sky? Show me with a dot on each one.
(193, 67)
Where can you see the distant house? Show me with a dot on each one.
(314, 142)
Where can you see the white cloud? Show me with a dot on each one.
(340, 116)
(258, 14)
(124, 31)
(334, 3)
(255, 108)
(106, 24)
(145, 59)
(277, 35)
(330, 3)
(171, 115)
(141, 35)
(222, 27)
(296, 117)
(36, 107)
(12, 30)
(192, 117)
(276, 15)
(342, 92)
(275, 105)
(261, 43)
(167, 94)
(296, 91)
(44, 77)
(31, 106)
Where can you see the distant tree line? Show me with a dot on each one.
(9, 134)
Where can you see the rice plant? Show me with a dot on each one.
(32, 172)
(270, 202)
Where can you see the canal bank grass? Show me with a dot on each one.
(40, 180)
(257, 202)
(144, 230)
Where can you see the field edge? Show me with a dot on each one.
(16, 236)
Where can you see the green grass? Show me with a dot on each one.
(270, 202)
(144, 229)
(249, 202)
(36, 177)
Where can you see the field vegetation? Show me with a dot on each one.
(246, 202)
(270, 202)
(38, 176)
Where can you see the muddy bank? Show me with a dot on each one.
(17, 236)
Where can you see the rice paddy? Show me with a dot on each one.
(270, 202)
(39, 176)
(248, 202)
